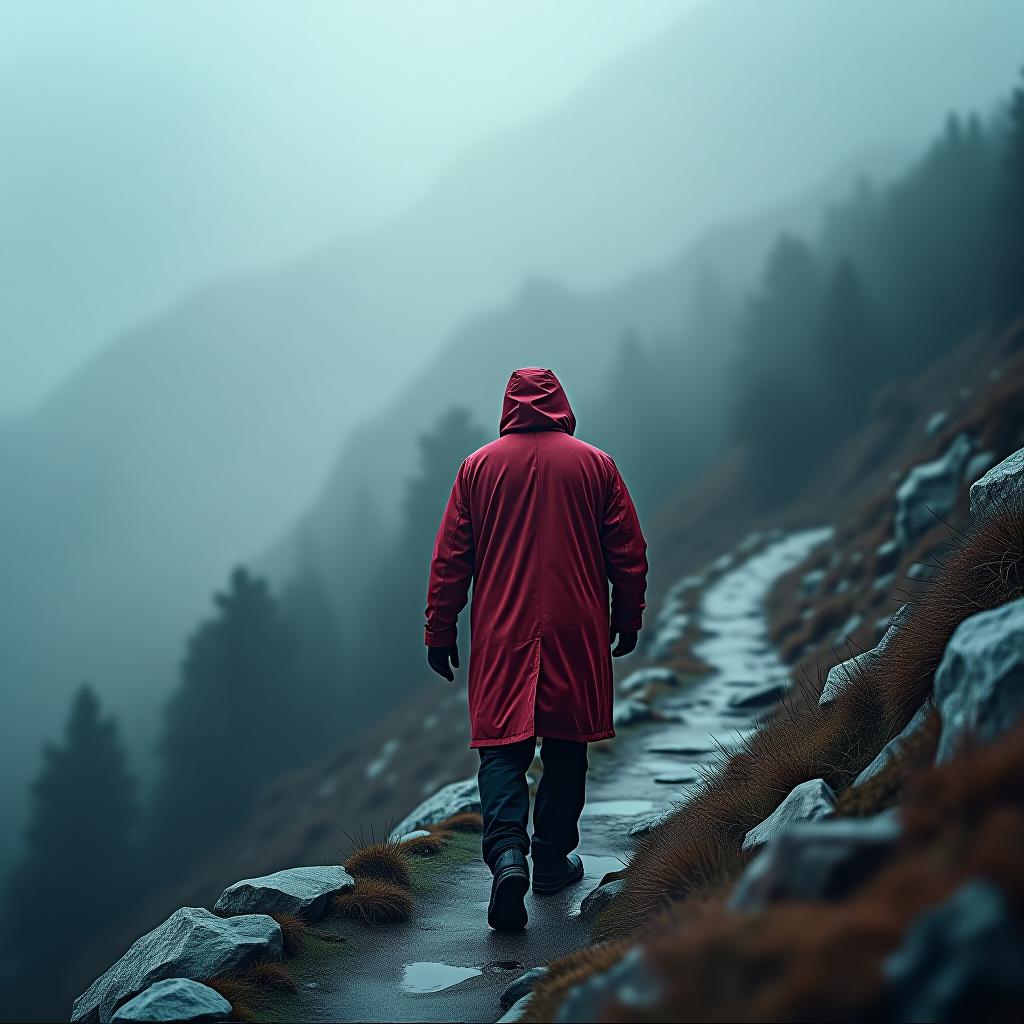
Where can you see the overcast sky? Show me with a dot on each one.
(148, 147)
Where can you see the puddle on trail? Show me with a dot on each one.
(424, 976)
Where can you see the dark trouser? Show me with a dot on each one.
(505, 799)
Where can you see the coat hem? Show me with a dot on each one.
(604, 734)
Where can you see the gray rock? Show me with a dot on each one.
(522, 986)
(895, 746)
(517, 1011)
(978, 464)
(415, 834)
(762, 696)
(650, 822)
(852, 624)
(192, 943)
(810, 801)
(455, 798)
(631, 982)
(930, 490)
(687, 583)
(841, 675)
(884, 582)
(1001, 485)
(597, 899)
(936, 422)
(816, 861)
(887, 556)
(958, 959)
(644, 677)
(175, 999)
(979, 684)
(300, 891)
(631, 712)
(811, 581)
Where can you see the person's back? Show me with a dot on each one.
(539, 522)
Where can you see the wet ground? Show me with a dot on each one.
(446, 965)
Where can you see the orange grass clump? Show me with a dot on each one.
(467, 821)
(293, 932)
(426, 846)
(246, 990)
(374, 901)
(385, 861)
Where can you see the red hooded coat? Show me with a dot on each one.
(540, 523)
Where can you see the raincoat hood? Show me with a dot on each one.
(535, 400)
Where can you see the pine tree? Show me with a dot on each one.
(233, 725)
(78, 873)
(1009, 260)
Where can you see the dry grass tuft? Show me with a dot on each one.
(374, 901)
(385, 861)
(293, 932)
(468, 821)
(246, 990)
(426, 846)
(565, 973)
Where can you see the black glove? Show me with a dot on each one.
(626, 644)
(437, 659)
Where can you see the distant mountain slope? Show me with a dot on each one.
(196, 437)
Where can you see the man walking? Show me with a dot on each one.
(539, 522)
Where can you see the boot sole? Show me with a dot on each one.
(550, 888)
(507, 911)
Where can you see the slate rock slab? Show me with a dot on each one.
(522, 986)
(895, 746)
(979, 684)
(192, 943)
(303, 892)
(1001, 485)
(819, 860)
(175, 999)
(958, 959)
(930, 490)
(810, 801)
(455, 798)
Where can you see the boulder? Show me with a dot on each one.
(959, 961)
(979, 684)
(415, 834)
(999, 486)
(522, 986)
(819, 860)
(930, 490)
(644, 677)
(192, 943)
(517, 1011)
(175, 999)
(895, 746)
(810, 801)
(631, 982)
(631, 712)
(841, 675)
(596, 900)
(936, 422)
(303, 892)
(455, 798)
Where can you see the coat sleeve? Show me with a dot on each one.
(451, 568)
(625, 558)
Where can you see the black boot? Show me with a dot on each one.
(506, 912)
(549, 880)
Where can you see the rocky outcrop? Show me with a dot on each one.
(810, 801)
(631, 712)
(456, 798)
(816, 861)
(630, 981)
(895, 746)
(841, 675)
(930, 490)
(303, 892)
(650, 822)
(192, 943)
(1001, 485)
(957, 959)
(175, 999)
(979, 684)
(760, 696)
